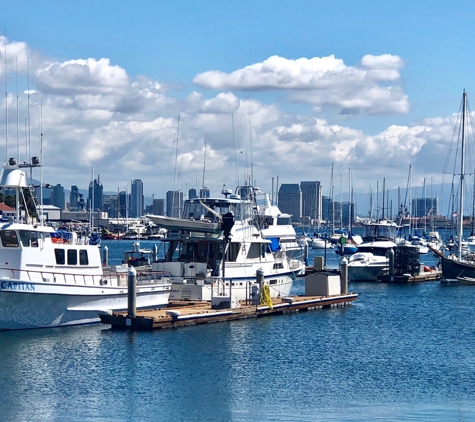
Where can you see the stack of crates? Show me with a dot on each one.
(406, 260)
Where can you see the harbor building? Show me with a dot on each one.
(290, 200)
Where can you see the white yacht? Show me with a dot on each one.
(48, 282)
(217, 228)
(273, 223)
(370, 259)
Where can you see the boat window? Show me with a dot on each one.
(83, 258)
(60, 256)
(254, 250)
(9, 238)
(72, 257)
(25, 237)
(284, 221)
(34, 239)
(233, 251)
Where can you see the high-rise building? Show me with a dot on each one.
(57, 197)
(174, 203)
(204, 192)
(424, 207)
(158, 207)
(123, 204)
(326, 209)
(94, 199)
(312, 200)
(74, 198)
(192, 193)
(290, 200)
(136, 198)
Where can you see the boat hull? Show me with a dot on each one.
(25, 305)
(368, 272)
(453, 269)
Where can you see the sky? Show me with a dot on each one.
(192, 93)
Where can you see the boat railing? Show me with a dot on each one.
(17, 275)
(21, 275)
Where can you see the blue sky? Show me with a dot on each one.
(369, 85)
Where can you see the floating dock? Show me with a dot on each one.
(183, 313)
(435, 275)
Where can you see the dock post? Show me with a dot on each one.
(256, 296)
(131, 293)
(344, 275)
(391, 264)
(105, 256)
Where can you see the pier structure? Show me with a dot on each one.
(323, 290)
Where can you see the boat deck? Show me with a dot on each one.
(183, 313)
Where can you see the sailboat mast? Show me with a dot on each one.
(462, 175)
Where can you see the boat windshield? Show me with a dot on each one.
(195, 210)
(380, 231)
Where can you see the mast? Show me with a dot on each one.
(462, 175)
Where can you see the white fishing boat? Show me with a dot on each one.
(371, 259)
(48, 282)
(194, 258)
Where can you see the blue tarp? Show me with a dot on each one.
(274, 245)
(62, 234)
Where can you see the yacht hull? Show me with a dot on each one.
(25, 305)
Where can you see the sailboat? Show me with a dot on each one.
(458, 267)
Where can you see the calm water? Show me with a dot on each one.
(400, 352)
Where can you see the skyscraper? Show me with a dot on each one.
(57, 197)
(204, 192)
(312, 200)
(290, 200)
(94, 199)
(136, 198)
(74, 199)
(174, 203)
(158, 207)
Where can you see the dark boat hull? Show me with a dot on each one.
(452, 269)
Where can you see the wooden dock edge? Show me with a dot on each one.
(201, 314)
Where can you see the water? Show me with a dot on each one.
(399, 353)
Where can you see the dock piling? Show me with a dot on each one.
(105, 256)
(344, 275)
(131, 293)
(391, 264)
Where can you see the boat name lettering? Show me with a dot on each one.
(8, 285)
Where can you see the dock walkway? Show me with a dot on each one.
(184, 313)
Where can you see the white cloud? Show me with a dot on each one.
(322, 81)
(93, 114)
